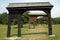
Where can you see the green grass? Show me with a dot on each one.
(25, 31)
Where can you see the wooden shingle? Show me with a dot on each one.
(29, 4)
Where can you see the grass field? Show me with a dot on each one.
(39, 33)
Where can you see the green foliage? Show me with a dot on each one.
(3, 18)
(24, 19)
(14, 21)
(56, 20)
(0, 19)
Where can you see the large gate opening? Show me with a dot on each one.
(36, 27)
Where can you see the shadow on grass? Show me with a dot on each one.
(35, 33)
(15, 27)
(30, 33)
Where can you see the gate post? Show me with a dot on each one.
(9, 26)
(49, 23)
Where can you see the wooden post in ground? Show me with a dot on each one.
(19, 25)
(9, 26)
(49, 23)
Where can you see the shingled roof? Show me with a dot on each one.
(29, 4)
(36, 13)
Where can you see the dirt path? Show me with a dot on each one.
(35, 37)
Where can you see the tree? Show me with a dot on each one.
(24, 17)
(0, 18)
(4, 18)
(56, 20)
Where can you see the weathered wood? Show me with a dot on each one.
(9, 27)
(49, 22)
(19, 25)
(18, 10)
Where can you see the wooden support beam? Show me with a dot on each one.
(49, 23)
(19, 14)
(19, 25)
(9, 27)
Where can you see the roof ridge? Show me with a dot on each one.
(28, 2)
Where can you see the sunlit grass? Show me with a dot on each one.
(25, 30)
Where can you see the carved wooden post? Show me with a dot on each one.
(19, 24)
(49, 23)
(19, 14)
(9, 26)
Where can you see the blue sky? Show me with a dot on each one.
(55, 12)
